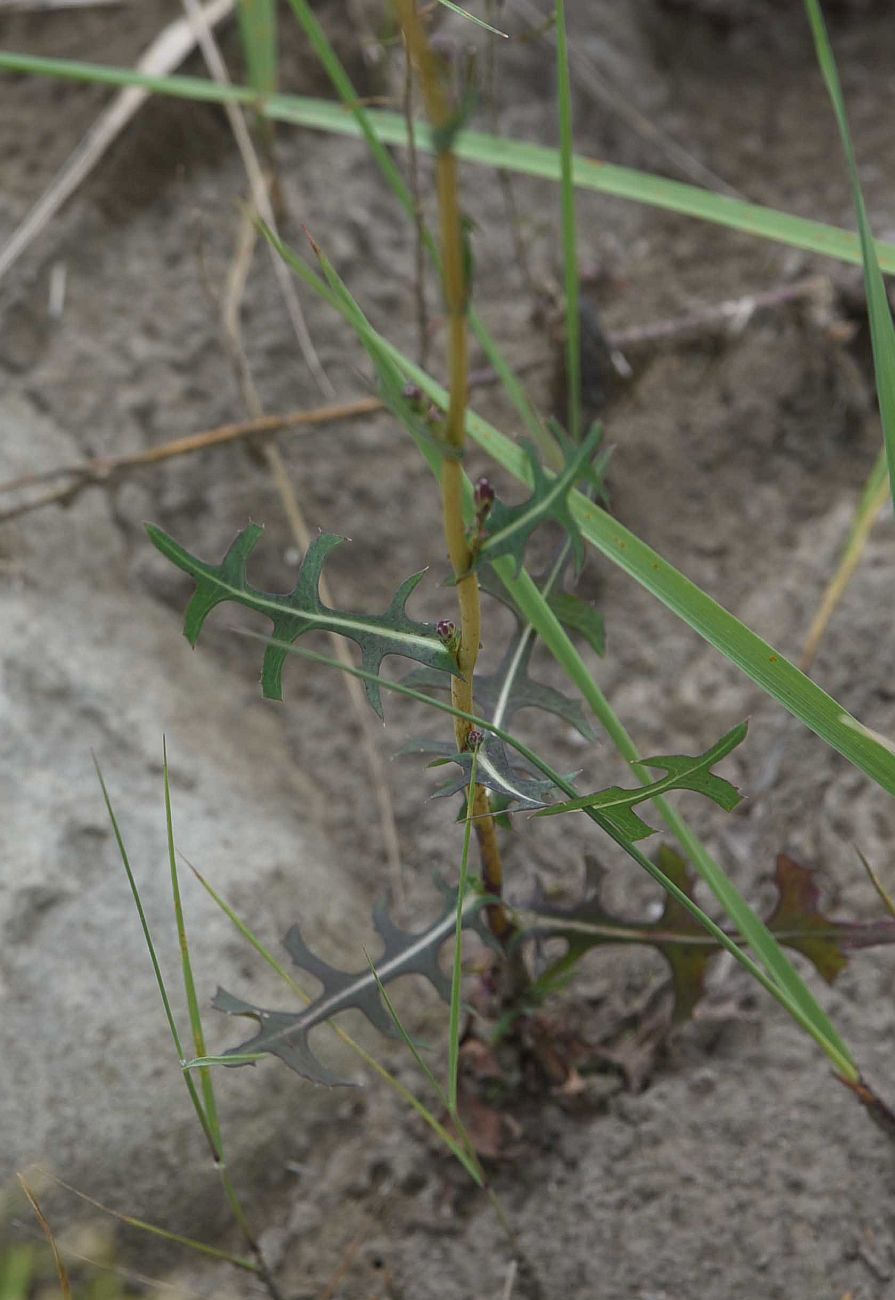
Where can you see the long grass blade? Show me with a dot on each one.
(532, 604)
(238, 1261)
(539, 161)
(463, 1151)
(457, 967)
(138, 904)
(882, 329)
(189, 983)
(569, 237)
(258, 27)
(473, 18)
(153, 954)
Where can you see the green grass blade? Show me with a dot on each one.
(569, 237)
(465, 1153)
(189, 984)
(407, 1038)
(138, 904)
(153, 955)
(201, 1247)
(521, 156)
(759, 660)
(479, 22)
(215, 1252)
(258, 27)
(457, 967)
(882, 330)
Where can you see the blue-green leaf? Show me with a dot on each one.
(301, 610)
(684, 772)
(285, 1034)
(509, 527)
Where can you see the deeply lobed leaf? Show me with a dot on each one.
(500, 695)
(301, 610)
(684, 772)
(494, 770)
(510, 527)
(285, 1034)
(795, 920)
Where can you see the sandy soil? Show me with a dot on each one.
(743, 1169)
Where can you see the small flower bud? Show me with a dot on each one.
(412, 393)
(484, 495)
(475, 737)
(446, 630)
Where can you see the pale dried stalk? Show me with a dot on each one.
(167, 52)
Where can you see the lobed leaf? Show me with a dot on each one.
(588, 924)
(494, 770)
(795, 921)
(301, 610)
(509, 527)
(579, 615)
(683, 773)
(798, 922)
(285, 1034)
(509, 689)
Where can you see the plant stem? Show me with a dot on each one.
(441, 114)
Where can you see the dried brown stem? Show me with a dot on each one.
(733, 313)
(102, 469)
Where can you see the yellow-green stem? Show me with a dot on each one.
(454, 281)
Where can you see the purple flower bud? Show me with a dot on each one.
(484, 495)
(411, 392)
(474, 738)
(446, 629)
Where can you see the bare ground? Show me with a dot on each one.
(743, 1169)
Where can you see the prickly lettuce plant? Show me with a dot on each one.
(497, 774)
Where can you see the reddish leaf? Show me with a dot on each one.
(798, 922)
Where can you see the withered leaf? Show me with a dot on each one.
(795, 920)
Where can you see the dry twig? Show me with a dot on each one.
(167, 52)
(104, 469)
